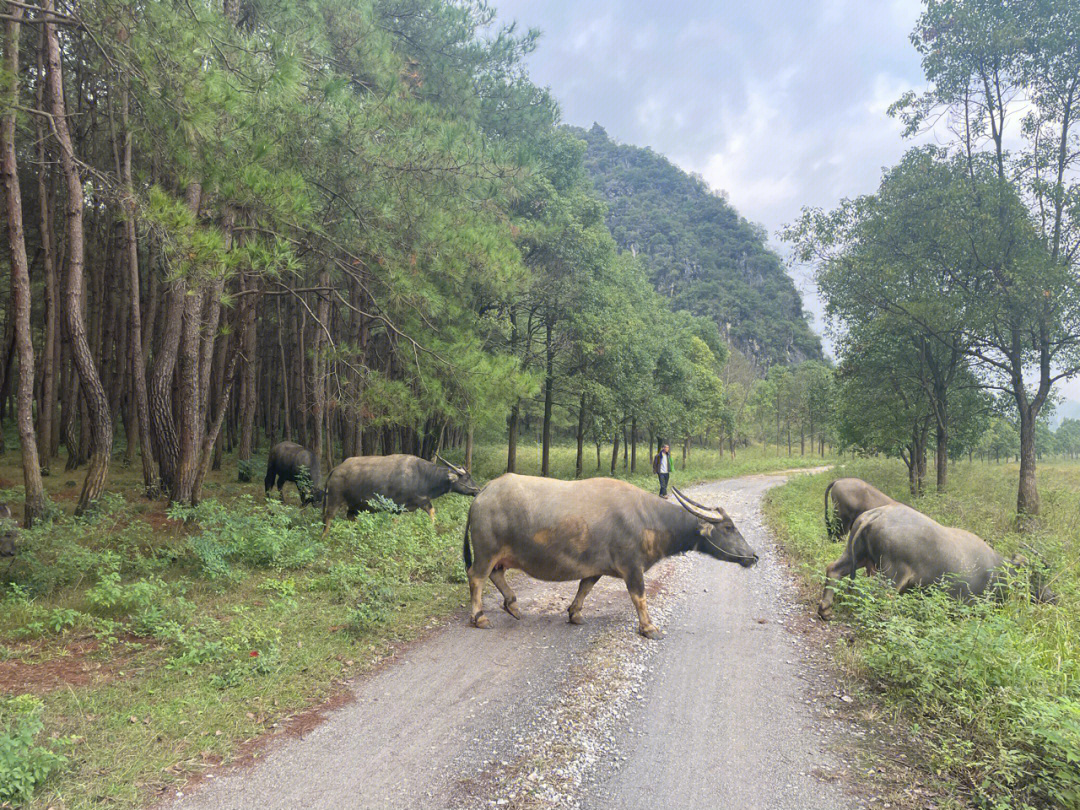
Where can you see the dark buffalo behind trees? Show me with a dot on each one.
(564, 530)
(851, 497)
(916, 551)
(409, 481)
(289, 461)
(8, 532)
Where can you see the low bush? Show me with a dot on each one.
(25, 762)
(993, 688)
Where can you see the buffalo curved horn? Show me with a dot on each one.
(697, 510)
(693, 502)
(454, 467)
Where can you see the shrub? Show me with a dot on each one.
(278, 537)
(24, 764)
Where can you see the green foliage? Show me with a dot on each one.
(275, 538)
(245, 470)
(24, 762)
(993, 688)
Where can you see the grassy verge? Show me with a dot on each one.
(993, 690)
(142, 645)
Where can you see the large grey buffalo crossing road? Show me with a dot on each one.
(540, 713)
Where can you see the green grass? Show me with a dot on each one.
(992, 689)
(178, 635)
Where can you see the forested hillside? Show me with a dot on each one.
(698, 251)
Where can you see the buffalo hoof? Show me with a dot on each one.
(575, 618)
(825, 613)
(511, 608)
(480, 621)
(650, 632)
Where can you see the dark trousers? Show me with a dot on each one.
(663, 483)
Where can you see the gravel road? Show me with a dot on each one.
(544, 714)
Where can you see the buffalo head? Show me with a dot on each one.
(1037, 575)
(460, 480)
(719, 537)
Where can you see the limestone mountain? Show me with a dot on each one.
(699, 251)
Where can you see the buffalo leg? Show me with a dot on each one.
(843, 567)
(268, 481)
(477, 574)
(498, 576)
(582, 591)
(905, 583)
(635, 584)
(431, 512)
(329, 510)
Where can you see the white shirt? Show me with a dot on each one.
(664, 458)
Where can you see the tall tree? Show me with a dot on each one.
(20, 272)
(99, 421)
(983, 60)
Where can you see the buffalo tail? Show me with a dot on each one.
(829, 524)
(466, 548)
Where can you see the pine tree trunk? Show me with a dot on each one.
(512, 437)
(580, 460)
(20, 271)
(615, 451)
(189, 426)
(284, 372)
(6, 369)
(151, 474)
(319, 368)
(211, 437)
(633, 445)
(162, 421)
(248, 323)
(100, 422)
(47, 425)
(549, 395)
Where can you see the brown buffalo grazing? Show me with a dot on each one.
(289, 461)
(8, 531)
(851, 497)
(915, 551)
(409, 481)
(566, 530)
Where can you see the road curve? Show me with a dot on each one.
(543, 714)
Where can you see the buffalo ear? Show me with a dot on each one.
(454, 477)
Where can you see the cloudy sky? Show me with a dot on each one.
(779, 103)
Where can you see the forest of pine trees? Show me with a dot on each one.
(371, 238)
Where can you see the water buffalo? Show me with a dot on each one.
(851, 497)
(8, 531)
(409, 481)
(564, 530)
(288, 461)
(915, 551)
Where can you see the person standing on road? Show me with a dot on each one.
(661, 465)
